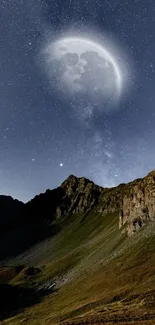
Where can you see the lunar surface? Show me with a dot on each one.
(83, 67)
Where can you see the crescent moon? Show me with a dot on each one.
(78, 44)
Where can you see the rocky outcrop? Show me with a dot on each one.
(138, 204)
(82, 193)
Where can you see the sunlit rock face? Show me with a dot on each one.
(138, 205)
(134, 203)
(83, 194)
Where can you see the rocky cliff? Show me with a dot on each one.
(138, 203)
(82, 194)
(134, 202)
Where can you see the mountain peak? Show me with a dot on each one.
(74, 179)
(77, 184)
(70, 178)
(152, 173)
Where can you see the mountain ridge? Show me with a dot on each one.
(85, 242)
(79, 195)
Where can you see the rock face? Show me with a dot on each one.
(138, 204)
(75, 195)
(82, 193)
(134, 202)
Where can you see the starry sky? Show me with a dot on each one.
(43, 136)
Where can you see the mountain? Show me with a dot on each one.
(80, 254)
(10, 210)
(134, 202)
(39, 217)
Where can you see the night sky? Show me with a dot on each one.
(44, 135)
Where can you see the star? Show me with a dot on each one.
(61, 164)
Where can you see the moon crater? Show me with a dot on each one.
(84, 68)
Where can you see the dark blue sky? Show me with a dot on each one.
(39, 130)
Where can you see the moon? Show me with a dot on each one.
(84, 68)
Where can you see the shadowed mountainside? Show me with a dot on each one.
(10, 210)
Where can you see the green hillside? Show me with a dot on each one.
(100, 274)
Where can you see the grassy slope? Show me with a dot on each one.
(106, 276)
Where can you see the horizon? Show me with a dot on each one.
(52, 188)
